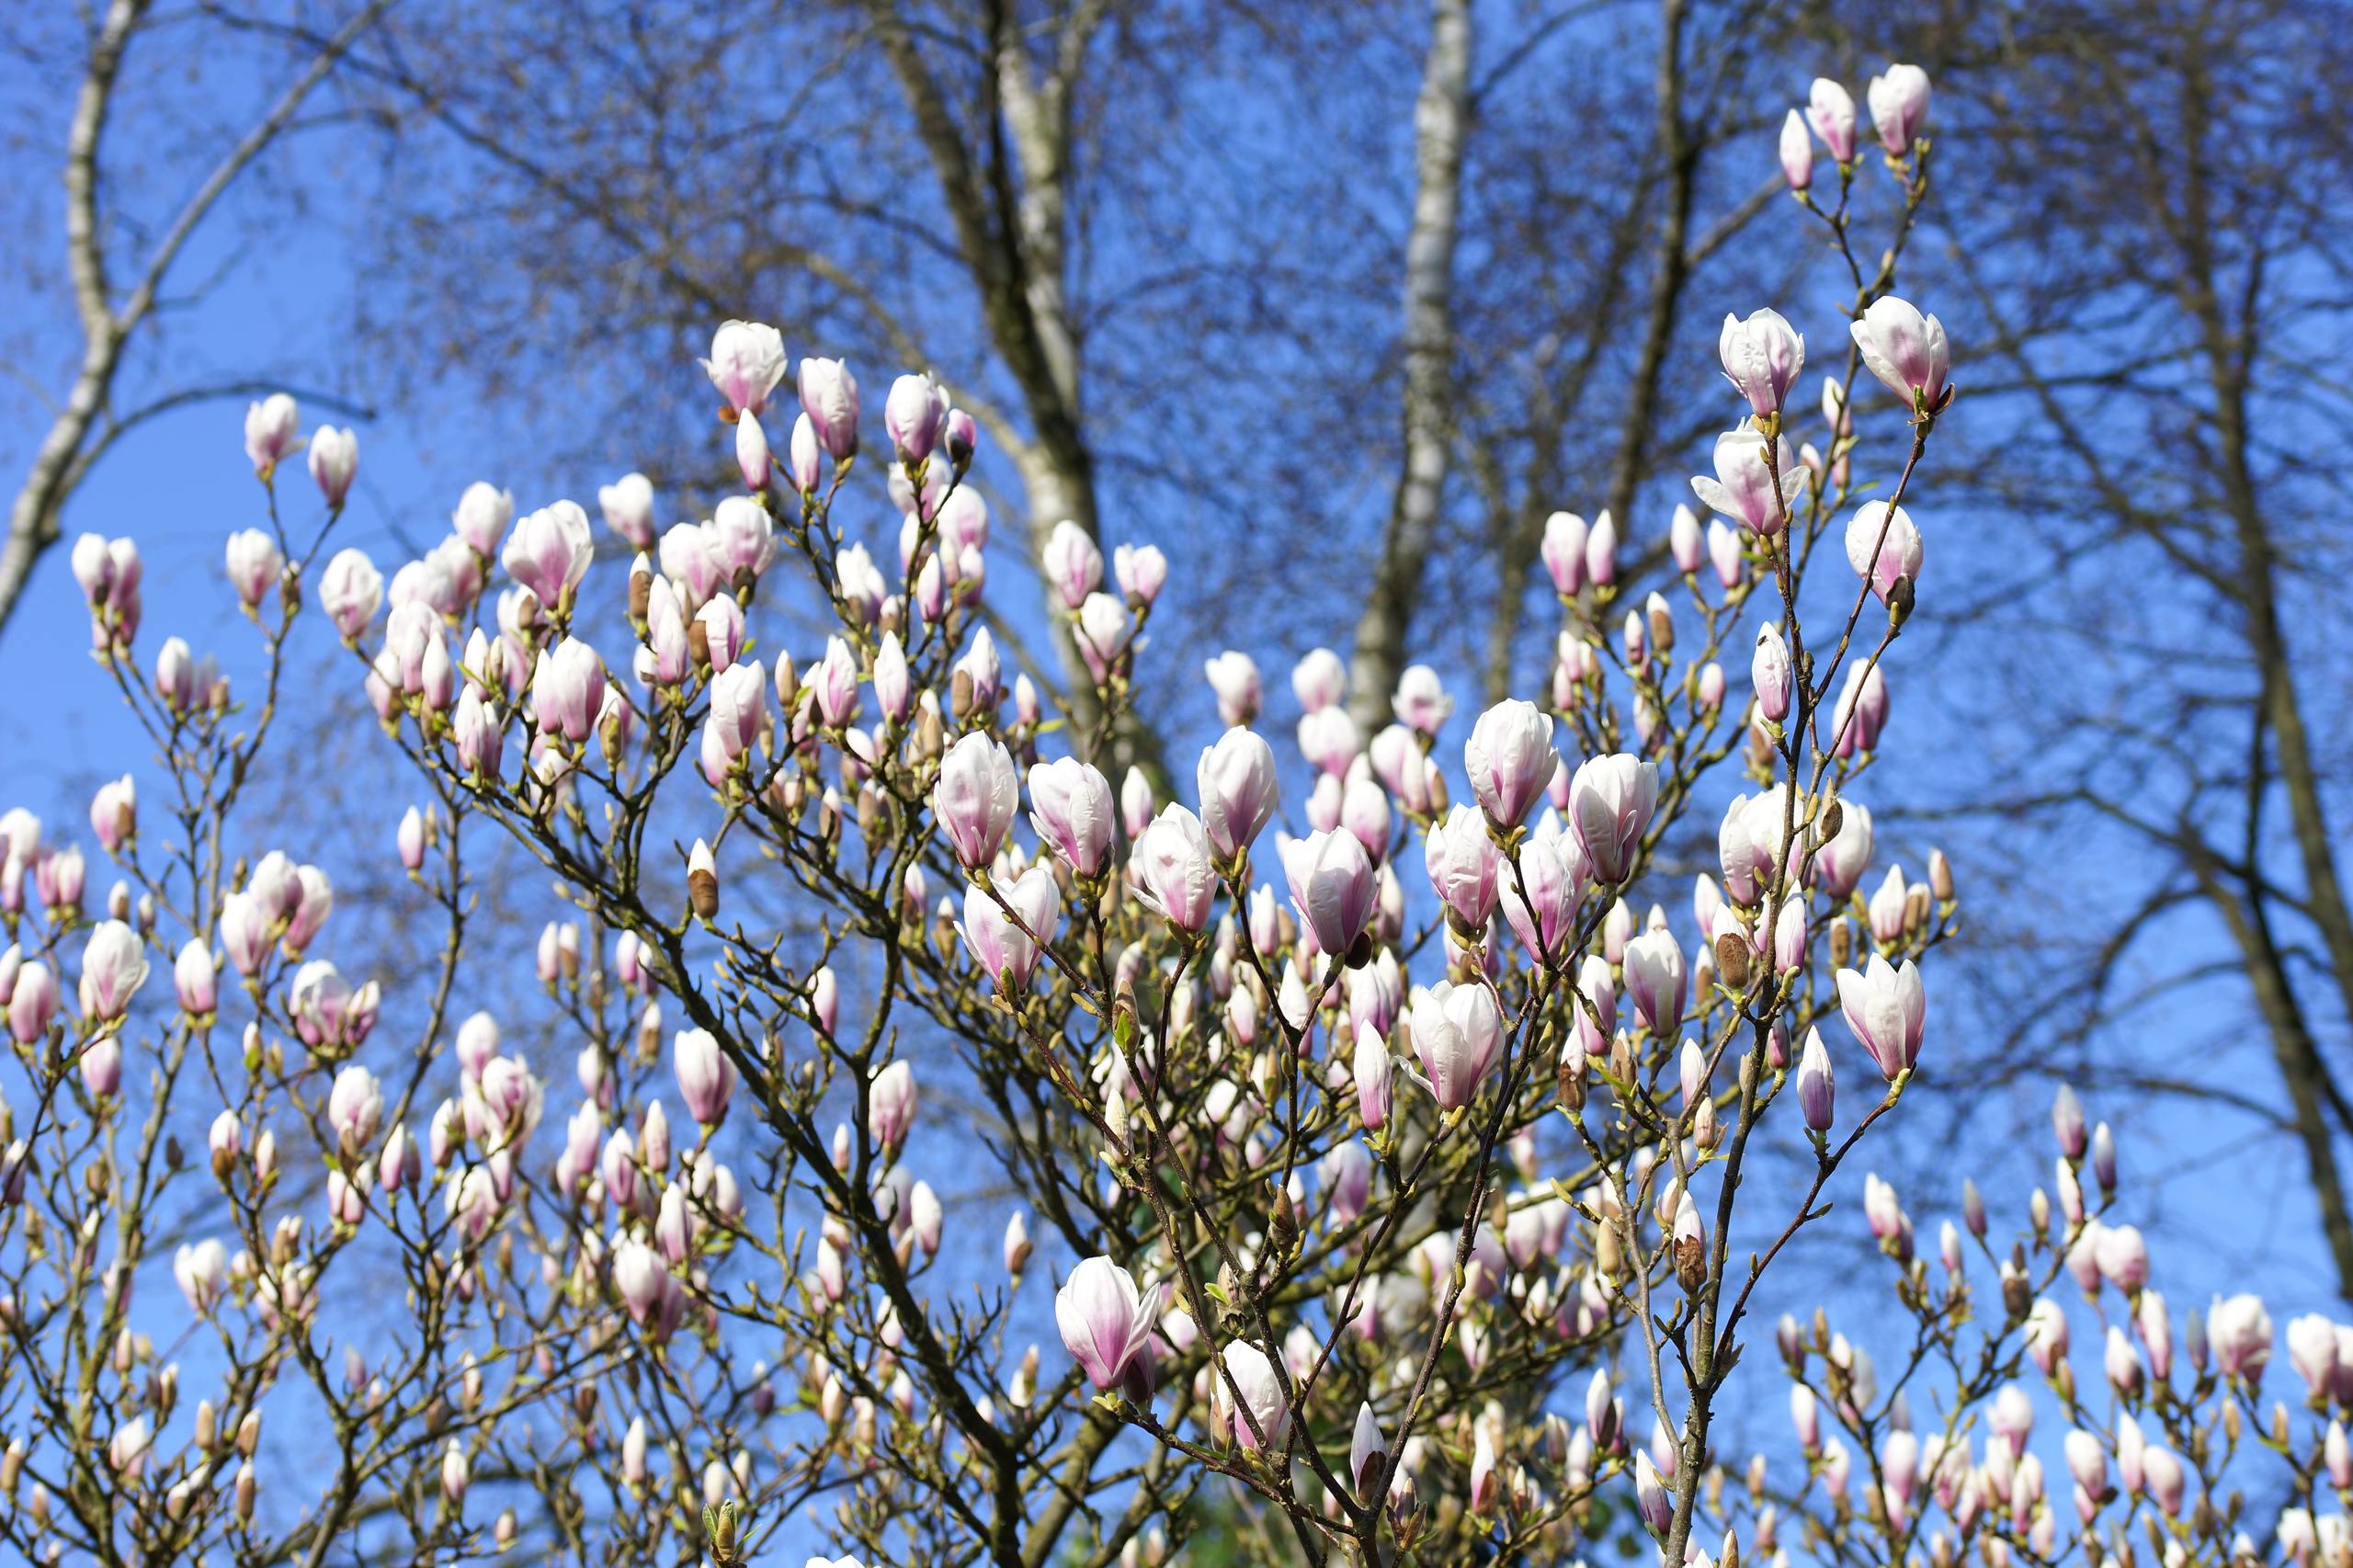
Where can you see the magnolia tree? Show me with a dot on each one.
(1361, 1168)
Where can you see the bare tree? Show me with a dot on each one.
(117, 284)
(2156, 288)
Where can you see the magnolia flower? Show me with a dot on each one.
(1770, 670)
(272, 432)
(1610, 802)
(829, 402)
(914, 414)
(746, 362)
(1553, 871)
(1463, 866)
(1830, 110)
(1797, 152)
(1510, 757)
(2240, 1331)
(114, 966)
(1006, 951)
(1457, 1035)
(355, 1106)
(1905, 350)
(1886, 1008)
(1237, 778)
(1106, 1321)
(1262, 1417)
(1882, 546)
(202, 1270)
(1899, 100)
(1756, 483)
(975, 798)
(1333, 885)
(1654, 981)
(891, 1104)
(1235, 678)
(706, 1076)
(1174, 877)
(334, 461)
(1071, 809)
(1762, 356)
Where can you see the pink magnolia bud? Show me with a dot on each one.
(1817, 1088)
(350, 590)
(747, 361)
(114, 813)
(1886, 1008)
(2312, 1350)
(1458, 1037)
(833, 683)
(1234, 677)
(963, 437)
(1861, 712)
(706, 1076)
(975, 798)
(829, 402)
(102, 1066)
(2155, 1329)
(914, 414)
(550, 550)
(1830, 108)
(1007, 951)
(1563, 551)
(1725, 552)
(1142, 570)
(1072, 564)
(1420, 701)
(2167, 1482)
(752, 459)
(271, 428)
(1136, 802)
(482, 514)
(1509, 758)
(1464, 867)
(627, 507)
(891, 1104)
(253, 565)
(1610, 802)
(1797, 152)
(334, 461)
(826, 997)
(568, 688)
(114, 966)
(1332, 883)
(410, 839)
(1262, 1418)
(1756, 481)
(1071, 811)
(1374, 1072)
(1685, 540)
(1017, 1246)
(1904, 350)
(2046, 1334)
(1761, 357)
(194, 978)
(355, 1106)
(1237, 778)
(1101, 633)
(1107, 1322)
(1329, 739)
(1172, 868)
(1899, 101)
(1898, 550)
(1770, 670)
